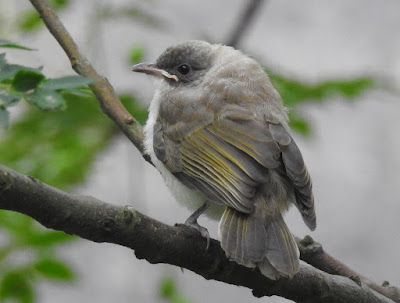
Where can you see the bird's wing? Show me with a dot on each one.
(228, 158)
(225, 159)
(297, 172)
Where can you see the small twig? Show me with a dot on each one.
(244, 21)
(102, 89)
(313, 253)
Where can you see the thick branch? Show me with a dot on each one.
(104, 92)
(156, 242)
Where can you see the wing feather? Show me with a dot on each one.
(297, 172)
(229, 157)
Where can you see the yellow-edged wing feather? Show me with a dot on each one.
(226, 159)
(229, 157)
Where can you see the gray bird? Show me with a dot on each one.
(218, 133)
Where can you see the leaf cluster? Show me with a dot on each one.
(295, 92)
(19, 82)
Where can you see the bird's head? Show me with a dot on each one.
(184, 64)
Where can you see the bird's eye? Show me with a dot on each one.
(183, 69)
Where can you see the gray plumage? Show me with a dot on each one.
(218, 133)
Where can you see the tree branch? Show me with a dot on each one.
(102, 89)
(313, 253)
(156, 242)
(252, 6)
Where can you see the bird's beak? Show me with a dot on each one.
(152, 69)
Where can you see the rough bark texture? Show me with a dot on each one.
(156, 242)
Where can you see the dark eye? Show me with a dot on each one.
(183, 69)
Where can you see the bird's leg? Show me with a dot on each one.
(192, 222)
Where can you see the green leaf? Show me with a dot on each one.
(3, 60)
(59, 4)
(136, 54)
(10, 44)
(54, 269)
(294, 92)
(15, 222)
(169, 292)
(80, 91)
(299, 125)
(43, 237)
(29, 21)
(167, 288)
(6, 250)
(27, 232)
(4, 117)
(8, 71)
(348, 88)
(16, 285)
(66, 83)
(26, 80)
(48, 100)
(8, 100)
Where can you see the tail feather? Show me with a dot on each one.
(259, 242)
(282, 253)
(268, 270)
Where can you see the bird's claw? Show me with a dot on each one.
(203, 231)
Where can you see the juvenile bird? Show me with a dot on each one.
(218, 133)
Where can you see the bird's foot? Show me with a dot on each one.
(192, 222)
(203, 231)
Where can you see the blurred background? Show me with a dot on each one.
(337, 67)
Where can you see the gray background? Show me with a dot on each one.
(353, 154)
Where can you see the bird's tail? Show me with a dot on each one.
(259, 241)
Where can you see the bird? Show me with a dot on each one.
(218, 133)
